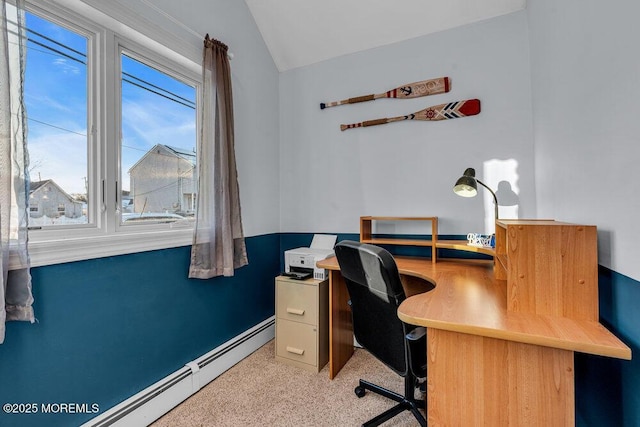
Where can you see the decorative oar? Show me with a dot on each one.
(411, 90)
(452, 110)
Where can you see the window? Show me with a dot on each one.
(158, 150)
(112, 137)
(56, 101)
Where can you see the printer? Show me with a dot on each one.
(303, 260)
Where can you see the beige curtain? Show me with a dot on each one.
(218, 240)
(15, 289)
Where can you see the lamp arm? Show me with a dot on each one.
(495, 199)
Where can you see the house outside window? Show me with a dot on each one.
(164, 179)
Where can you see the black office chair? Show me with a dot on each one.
(375, 292)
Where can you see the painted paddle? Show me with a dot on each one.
(411, 90)
(452, 110)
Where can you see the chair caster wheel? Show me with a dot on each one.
(360, 391)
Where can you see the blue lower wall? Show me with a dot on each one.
(608, 390)
(107, 328)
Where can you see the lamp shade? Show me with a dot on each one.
(466, 185)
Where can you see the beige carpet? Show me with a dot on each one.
(259, 391)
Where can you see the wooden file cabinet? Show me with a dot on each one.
(302, 322)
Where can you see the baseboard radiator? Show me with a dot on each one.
(159, 398)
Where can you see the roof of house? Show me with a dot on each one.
(184, 154)
(36, 185)
(181, 152)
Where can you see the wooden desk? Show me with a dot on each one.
(487, 365)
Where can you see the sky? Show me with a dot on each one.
(56, 105)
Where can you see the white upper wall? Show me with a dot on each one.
(586, 100)
(330, 178)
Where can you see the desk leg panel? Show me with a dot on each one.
(340, 324)
(479, 381)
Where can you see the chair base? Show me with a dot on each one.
(405, 403)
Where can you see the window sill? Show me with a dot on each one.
(82, 248)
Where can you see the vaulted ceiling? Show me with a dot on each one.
(303, 32)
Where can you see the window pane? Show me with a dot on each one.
(56, 103)
(158, 149)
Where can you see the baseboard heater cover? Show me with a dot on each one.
(159, 398)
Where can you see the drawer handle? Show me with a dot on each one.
(295, 311)
(295, 350)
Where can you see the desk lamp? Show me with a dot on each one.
(467, 186)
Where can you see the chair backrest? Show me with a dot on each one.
(375, 291)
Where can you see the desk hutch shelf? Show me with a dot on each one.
(367, 235)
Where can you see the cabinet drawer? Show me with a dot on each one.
(297, 302)
(296, 341)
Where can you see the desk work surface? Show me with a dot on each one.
(467, 299)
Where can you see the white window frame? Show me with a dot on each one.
(103, 235)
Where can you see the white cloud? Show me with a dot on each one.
(65, 66)
(46, 102)
(153, 124)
